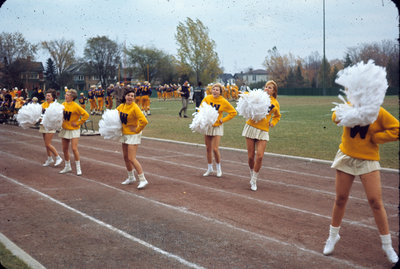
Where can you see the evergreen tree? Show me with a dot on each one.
(51, 76)
(324, 74)
(347, 61)
(291, 79)
(333, 77)
(299, 77)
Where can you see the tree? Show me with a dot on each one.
(299, 79)
(62, 52)
(150, 64)
(290, 79)
(13, 46)
(324, 74)
(197, 51)
(16, 53)
(51, 75)
(347, 61)
(312, 65)
(103, 56)
(279, 66)
(385, 53)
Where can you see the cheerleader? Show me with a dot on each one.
(365, 125)
(257, 135)
(216, 131)
(51, 96)
(133, 122)
(74, 117)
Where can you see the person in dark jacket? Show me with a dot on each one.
(184, 91)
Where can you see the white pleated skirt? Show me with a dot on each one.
(254, 133)
(354, 166)
(214, 131)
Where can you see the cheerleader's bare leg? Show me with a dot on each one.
(373, 190)
(65, 147)
(217, 155)
(343, 185)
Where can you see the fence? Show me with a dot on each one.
(320, 92)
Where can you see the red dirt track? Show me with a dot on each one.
(181, 219)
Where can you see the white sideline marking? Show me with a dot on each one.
(179, 209)
(265, 153)
(106, 225)
(260, 179)
(20, 253)
(356, 223)
(235, 149)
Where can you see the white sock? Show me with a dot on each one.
(218, 165)
(78, 164)
(255, 176)
(210, 167)
(251, 173)
(333, 231)
(388, 249)
(49, 158)
(141, 177)
(58, 157)
(68, 164)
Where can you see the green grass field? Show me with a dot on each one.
(305, 128)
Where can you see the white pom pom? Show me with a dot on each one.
(53, 118)
(254, 105)
(204, 118)
(110, 125)
(366, 87)
(29, 114)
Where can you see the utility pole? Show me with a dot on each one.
(323, 57)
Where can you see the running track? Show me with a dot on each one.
(181, 220)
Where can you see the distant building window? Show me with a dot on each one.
(254, 77)
(79, 78)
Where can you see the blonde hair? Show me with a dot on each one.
(219, 85)
(275, 86)
(73, 93)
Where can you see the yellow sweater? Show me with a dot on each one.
(45, 105)
(221, 105)
(274, 113)
(362, 142)
(73, 113)
(131, 115)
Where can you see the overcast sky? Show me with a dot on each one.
(243, 30)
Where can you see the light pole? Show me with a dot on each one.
(323, 57)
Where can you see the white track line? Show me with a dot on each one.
(265, 153)
(106, 225)
(20, 253)
(355, 223)
(239, 163)
(181, 210)
(388, 205)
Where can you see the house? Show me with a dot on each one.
(226, 78)
(80, 80)
(31, 74)
(252, 76)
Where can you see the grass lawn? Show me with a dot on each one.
(9, 260)
(305, 128)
